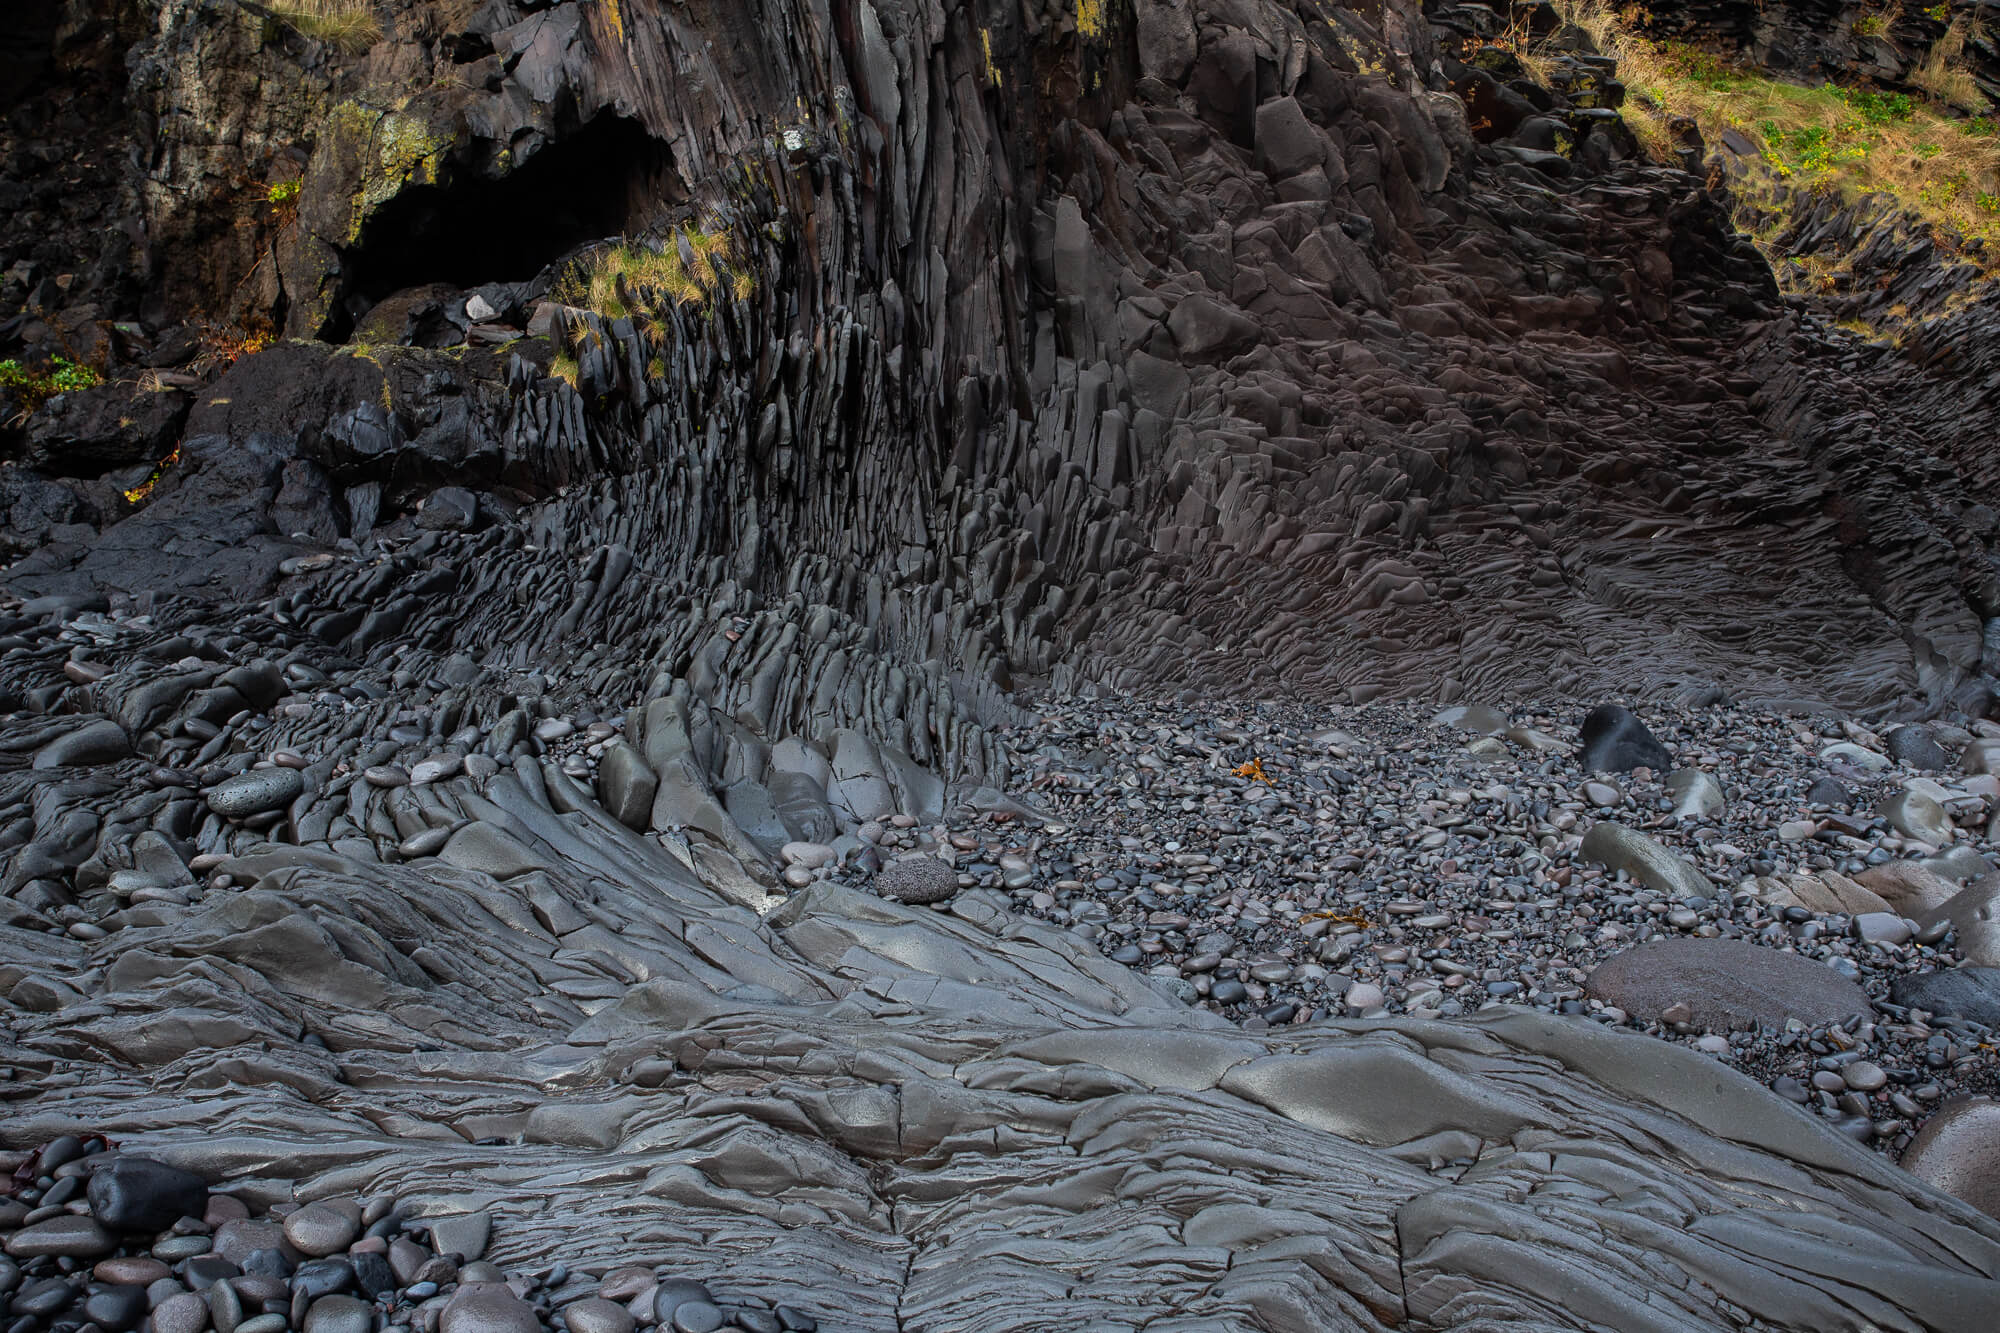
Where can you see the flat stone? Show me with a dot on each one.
(255, 792)
(339, 1314)
(68, 1237)
(488, 1307)
(1882, 928)
(597, 1315)
(1915, 815)
(1479, 719)
(1958, 1151)
(1908, 887)
(1620, 848)
(1855, 756)
(1724, 981)
(1696, 794)
(462, 1234)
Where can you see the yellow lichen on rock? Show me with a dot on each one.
(1090, 18)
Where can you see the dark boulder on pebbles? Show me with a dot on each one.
(140, 1194)
(1616, 741)
(1723, 982)
(1966, 992)
(1915, 747)
(255, 792)
(917, 880)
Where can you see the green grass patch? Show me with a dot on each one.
(1939, 165)
(32, 388)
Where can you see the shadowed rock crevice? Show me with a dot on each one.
(479, 224)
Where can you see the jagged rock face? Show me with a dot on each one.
(1812, 40)
(1229, 358)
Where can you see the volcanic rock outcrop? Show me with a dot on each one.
(415, 722)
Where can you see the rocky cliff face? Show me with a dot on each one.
(1204, 346)
(1179, 348)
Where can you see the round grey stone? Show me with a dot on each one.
(918, 880)
(697, 1317)
(255, 792)
(598, 1316)
(320, 1229)
(339, 1314)
(185, 1313)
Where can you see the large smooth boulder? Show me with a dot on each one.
(1968, 992)
(139, 1194)
(1724, 982)
(1613, 845)
(1958, 1151)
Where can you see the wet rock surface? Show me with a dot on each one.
(756, 811)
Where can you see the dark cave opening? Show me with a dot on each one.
(27, 47)
(607, 178)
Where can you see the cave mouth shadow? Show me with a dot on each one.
(476, 228)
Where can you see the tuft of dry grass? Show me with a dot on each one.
(1942, 168)
(1944, 73)
(632, 278)
(351, 25)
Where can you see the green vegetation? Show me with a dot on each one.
(632, 278)
(350, 25)
(32, 388)
(1870, 25)
(1942, 168)
(283, 201)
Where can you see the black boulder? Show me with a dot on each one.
(140, 1194)
(1616, 741)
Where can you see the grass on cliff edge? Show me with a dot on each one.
(351, 25)
(1943, 168)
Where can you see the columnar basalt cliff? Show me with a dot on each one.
(426, 660)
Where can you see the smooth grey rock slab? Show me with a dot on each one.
(1723, 981)
(463, 1234)
(1479, 719)
(627, 786)
(1620, 848)
(255, 792)
(100, 742)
